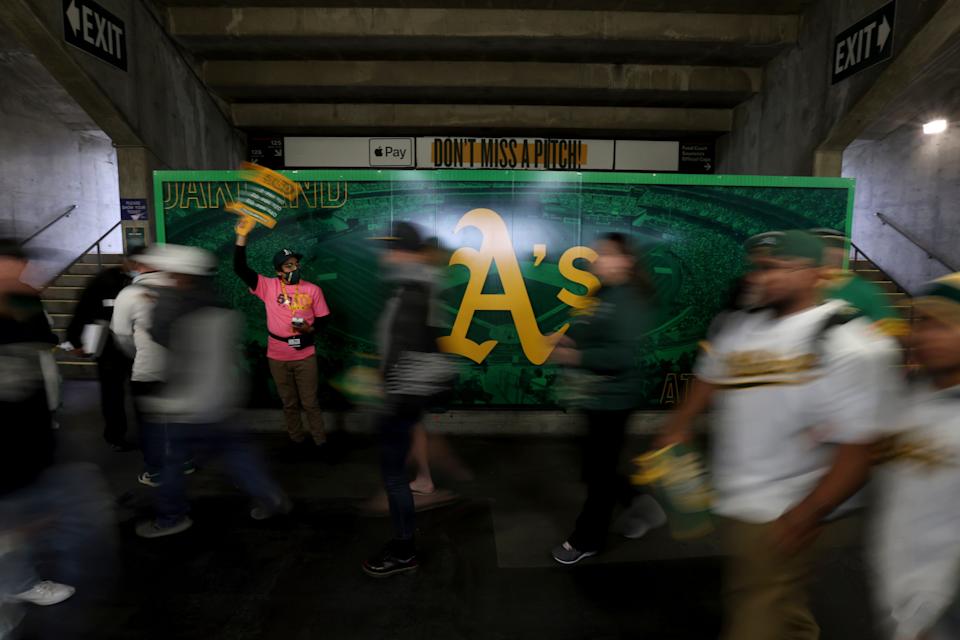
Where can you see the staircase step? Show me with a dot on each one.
(62, 293)
(71, 280)
(105, 258)
(886, 286)
(60, 306)
(870, 274)
(84, 269)
(77, 369)
(60, 320)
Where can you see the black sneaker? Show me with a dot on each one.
(391, 560)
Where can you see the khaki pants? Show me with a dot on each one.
(765, 592)
(297, 385)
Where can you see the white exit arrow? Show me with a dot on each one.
(883, 33)
(73, 15)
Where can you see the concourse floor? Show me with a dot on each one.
(486, 571)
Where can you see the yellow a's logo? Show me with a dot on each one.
(497, 248)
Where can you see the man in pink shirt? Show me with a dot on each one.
(293, 305)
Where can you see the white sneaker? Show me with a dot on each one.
(643, 516)
(45, 593)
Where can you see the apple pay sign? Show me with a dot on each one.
(391, 152)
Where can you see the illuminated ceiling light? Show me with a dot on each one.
(935, 126)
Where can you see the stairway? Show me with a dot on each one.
(60, 301)
(897, 298)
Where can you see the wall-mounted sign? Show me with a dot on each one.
(267, 151)
(520, 268)
(133, 209)
(864, 44)
(551, 154)
(529, 154)
(90, 27)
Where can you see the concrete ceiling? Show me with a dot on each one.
(641, 68)
(934, 92)
(32, 88)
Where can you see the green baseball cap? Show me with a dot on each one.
(941, 299)
(788, 245)
(831, 238)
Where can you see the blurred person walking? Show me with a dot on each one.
(293, 307)
(601, 346)
(917, 541)
(114, 367)
(44, 507)
(199, 401)
(413, 373)
(798, 388)
(130, 328)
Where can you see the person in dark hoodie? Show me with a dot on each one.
(413, 372)
(43, 505)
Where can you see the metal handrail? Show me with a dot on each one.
(50, 224)
(906, 234)
(860, 252)
(96, 244)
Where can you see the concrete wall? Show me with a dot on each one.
(915, 180)
(777, 131)
(159, 96)
(52, 156)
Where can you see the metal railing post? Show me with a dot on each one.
(99, 258)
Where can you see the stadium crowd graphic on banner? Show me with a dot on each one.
(520, 244)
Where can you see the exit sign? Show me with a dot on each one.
(90, 27)
(866, 43)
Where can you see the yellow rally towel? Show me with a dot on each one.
(264, 194)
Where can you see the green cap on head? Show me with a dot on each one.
(941, 299)
(787, 245)
(831, 238)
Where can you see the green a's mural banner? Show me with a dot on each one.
(520, 267)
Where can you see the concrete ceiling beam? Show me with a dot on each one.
(52, 53)
(471, 117)
(259, 76)
(926, 44)
(340, 22)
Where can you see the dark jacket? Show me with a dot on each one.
(26, 430)
(608, 339)
(96, 303)
(201, 334)
(414, 372)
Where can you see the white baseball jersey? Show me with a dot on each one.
(917, 544)
(790, 390)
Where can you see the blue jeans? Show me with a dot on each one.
(244, 465)
(155, 445)
(395, 447)
(64, 512)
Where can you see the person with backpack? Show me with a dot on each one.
(799, 388)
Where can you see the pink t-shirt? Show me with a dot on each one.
(283, 303)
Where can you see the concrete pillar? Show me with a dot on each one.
(136, 165)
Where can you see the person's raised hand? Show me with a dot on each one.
(244, 226)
